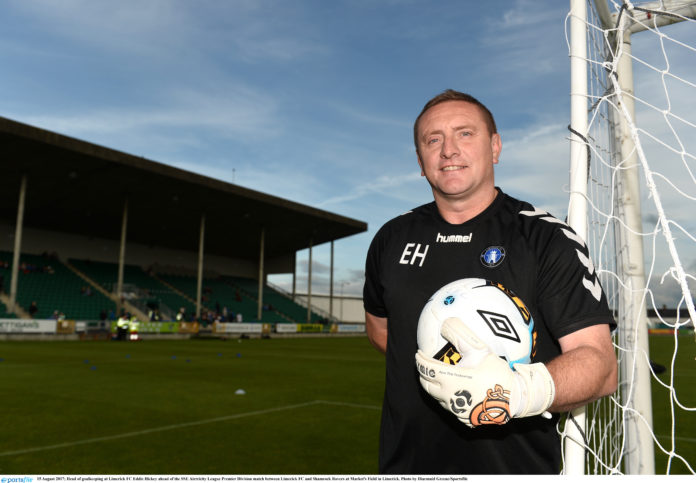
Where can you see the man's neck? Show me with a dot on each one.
(457, 212)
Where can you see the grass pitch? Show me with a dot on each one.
(171, 407)
(310, 406)
(674, 403)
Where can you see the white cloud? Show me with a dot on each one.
(114, 26)
(519, 38)
(317, 267)
(228, 111)
(245, 30)
(534, 166)
(389, 186)
(370, 117)
(526, 14)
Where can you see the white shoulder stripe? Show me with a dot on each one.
(594, 288)
(586, 261)
(553, 219)
(536, 212)
(573, 236)
(591, 283)
(544, 215)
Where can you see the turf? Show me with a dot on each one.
(310, 406)
(683, 383)
(170, 407)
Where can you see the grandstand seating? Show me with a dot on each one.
(148, 287)
(217, 293)
(4, 314)
(279, 302)
(283, 304)
(240, 295)
(5, 276)
(54, 287)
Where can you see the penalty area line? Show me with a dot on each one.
(159, 429)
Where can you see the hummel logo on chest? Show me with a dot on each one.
(453, 238)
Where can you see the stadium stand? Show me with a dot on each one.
(146, 290)
(283, 304)
(239, 295)
(167, 212)
(273, 299)
(216, 296)
(4, 314)
(56, 289)
(53, 286)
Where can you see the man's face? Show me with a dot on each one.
(456, 152)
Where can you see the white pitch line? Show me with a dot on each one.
(155, 430)
(352, 405)
(677, 438)
(179, 426)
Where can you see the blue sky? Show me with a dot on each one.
(308, 100)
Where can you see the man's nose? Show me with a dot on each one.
(449, 148)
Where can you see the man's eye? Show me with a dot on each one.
(433, 140)
(465, 133)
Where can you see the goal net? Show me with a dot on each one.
(633, 198)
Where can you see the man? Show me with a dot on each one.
(540, 259)
(122, 327)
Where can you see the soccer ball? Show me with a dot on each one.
(496, 315)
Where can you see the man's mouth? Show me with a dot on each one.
(452, 168)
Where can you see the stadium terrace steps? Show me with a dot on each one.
(240, 295)
(141, 283)
(126, 304)
(175, 296)
(58, 286)
(4, 313)
(55, 288)
(276, 301)
(249, 288)
(216, 295)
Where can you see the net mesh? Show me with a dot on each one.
(645, 123)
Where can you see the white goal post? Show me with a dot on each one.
(633, 199)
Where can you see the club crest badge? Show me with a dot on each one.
(492, 256)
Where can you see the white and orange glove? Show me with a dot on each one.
(482, 389)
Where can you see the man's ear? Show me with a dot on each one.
(420, 163)
(496, 147)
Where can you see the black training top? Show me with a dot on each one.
(537, 257)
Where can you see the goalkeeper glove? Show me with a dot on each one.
(482, 389)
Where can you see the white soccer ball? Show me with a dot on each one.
(497, 316)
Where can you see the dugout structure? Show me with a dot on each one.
(55, 184)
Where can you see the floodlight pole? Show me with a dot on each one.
(17, 243)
